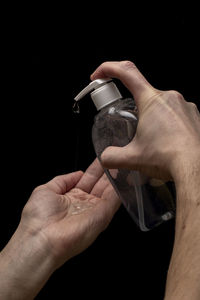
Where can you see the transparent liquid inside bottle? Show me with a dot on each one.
(149, 201)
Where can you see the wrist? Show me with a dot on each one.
(186, 168)
(186, 177)
(26, 265)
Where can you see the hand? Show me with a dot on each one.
(168, 132)
(70, 211)
(61, 219)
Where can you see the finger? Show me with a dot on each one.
(64, 183)
(130, 76)
(100, 186)
(109, 198)
(120, 157)
(90, 177)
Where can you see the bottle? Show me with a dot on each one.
(149, 201)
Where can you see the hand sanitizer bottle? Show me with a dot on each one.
(149, 201)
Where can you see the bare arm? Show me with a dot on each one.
(183, 280)
(166, 146)
(25, 265)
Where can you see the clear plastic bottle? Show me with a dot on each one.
(149, 201)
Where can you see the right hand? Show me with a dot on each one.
(168, 132)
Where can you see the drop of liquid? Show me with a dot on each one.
(76, 108)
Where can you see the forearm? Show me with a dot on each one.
(25, 266)
(183, 280)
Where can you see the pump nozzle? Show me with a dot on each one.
(103, 92)
(92, 86)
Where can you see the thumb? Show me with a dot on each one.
(119, 157)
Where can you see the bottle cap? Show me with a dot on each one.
(102, 91)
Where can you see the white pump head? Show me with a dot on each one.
(103, 92)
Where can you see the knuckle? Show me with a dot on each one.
(175, 95)
(104, 64)
(127, 64)
(56, 178)
(193, 106)
(38, 189)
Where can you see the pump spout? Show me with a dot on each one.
(102, 91)
(92, 86)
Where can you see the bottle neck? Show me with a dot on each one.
(105, 95)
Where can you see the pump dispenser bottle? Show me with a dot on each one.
(149, 201)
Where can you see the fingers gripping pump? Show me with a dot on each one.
(149, 204)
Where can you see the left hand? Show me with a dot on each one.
(71, 210)
(61, 219)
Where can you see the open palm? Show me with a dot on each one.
(71, 210)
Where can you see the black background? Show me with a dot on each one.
(48, 54)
